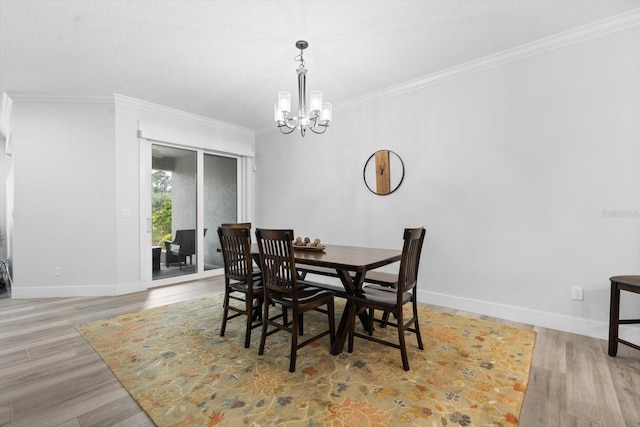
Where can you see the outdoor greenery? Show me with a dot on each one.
(161, 206)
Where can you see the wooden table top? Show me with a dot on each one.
(351, 258)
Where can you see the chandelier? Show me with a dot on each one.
(315, 117)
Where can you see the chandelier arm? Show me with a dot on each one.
(313, 120)
(286, 132)
(324, 129)
(291, 122)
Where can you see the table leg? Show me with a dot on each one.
(614, 317)
(351, 285)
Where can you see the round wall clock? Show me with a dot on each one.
(383, 172)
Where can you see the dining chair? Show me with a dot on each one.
(620, 283)
(242, 282)
(281, 287)
(392, 299)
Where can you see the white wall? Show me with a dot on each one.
(77, 165)
(509, 168)
(64, 196)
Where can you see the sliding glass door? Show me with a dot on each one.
(220, 200)
(173, 212)
(193, 192)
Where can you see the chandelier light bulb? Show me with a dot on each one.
(277, 113)
(284, 102)
(326, 112)
(315, 103)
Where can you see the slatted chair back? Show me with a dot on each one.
(235, 243)
(277, 262)
(412, 248)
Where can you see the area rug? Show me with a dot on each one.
(173, 362)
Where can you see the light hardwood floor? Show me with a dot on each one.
(49, 375)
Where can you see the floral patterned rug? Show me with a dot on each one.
(173, 362)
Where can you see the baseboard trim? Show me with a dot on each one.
(561, 322)
(75, 291)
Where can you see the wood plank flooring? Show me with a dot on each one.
(49, 375)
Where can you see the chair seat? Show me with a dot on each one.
(243, 287)
(305, 295)
(384, 295)
(382, 278)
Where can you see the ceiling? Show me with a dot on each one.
(227, 59)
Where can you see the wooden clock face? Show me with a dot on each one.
(383, 172)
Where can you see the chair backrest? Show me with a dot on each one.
(235, 243)
(277, 261)
(237, 224)
(187, 241)
(412, 248)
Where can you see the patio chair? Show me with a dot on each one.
(181, 247)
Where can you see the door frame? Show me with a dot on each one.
(244, 172)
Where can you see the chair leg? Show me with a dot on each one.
(372, 313)
(225, 311)
(614, 319)
(416, 324)
(332, 322)
(402, 341)
(351, 327)
(257, 309)
(385, 319)
(249, 314)
(294, 342)
(265, 322)
(301, 324)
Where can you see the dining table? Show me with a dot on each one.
(348, 263)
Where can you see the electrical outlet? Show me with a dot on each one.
(57, 271)
(576, 293)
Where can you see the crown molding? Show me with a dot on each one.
(133, 103)
(183, 115)
(557, 41)
(53, 97)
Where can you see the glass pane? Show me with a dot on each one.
(220, 203)
(173, 214)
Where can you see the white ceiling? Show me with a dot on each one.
(227, 59)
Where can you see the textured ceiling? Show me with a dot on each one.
(227, 59)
